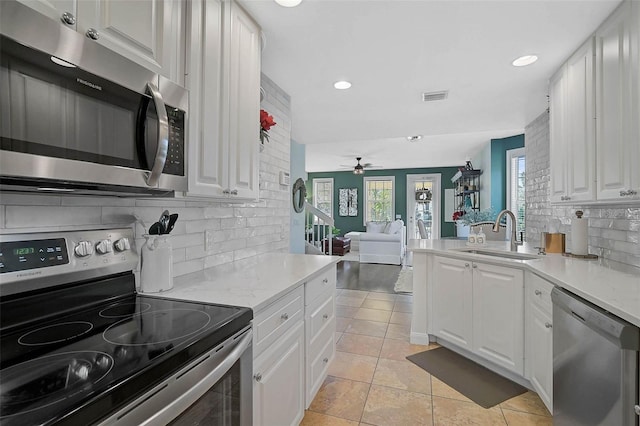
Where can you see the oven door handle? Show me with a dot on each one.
(153, 176)
(182, 402)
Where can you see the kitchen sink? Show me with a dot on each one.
(499, 253)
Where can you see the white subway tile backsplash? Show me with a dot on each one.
(30, 216)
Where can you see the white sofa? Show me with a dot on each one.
(384, 242)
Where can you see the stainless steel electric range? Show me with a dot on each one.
(78, 345)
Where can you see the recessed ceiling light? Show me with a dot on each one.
(523, 61)
(62, 62)
(342, 85)
(288, 3)
(414, 138)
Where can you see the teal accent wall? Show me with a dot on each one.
(296, 224)
(349, 180)
(499, 148)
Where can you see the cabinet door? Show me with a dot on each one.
(498, 315)
(613, 107)
(540, 353)
(558, 135)
(453, 297)
(53, 8)
(208, 166)
(244, 103)
(580, 124)
(134, 29)
(278, 385)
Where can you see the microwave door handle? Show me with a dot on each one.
(153, 176)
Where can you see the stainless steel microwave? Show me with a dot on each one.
(76, 117)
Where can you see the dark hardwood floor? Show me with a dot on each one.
(367, 276)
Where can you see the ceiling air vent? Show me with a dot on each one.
(435, 96)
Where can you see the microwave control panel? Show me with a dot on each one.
(175, 154)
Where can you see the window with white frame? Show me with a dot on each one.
(323, 195)
(516, 186)
(379, 198)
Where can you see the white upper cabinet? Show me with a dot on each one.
(594, 114)
(224, 81)
(572, 132)
(149, 32)
(617, 155)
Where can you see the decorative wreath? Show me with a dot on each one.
(298, 199)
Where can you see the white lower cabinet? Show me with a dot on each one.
(293, 345)
(539, 337)
(278, 385)
(479, 307)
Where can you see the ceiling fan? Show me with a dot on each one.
(358, 169)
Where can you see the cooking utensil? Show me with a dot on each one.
(155, 229)
(164, 222)
(172, 221)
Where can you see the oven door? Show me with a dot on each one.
(213, 390)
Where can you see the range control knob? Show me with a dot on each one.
(122, 244)
(83, 249)
(104, 247)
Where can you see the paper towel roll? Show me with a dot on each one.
(579, 243)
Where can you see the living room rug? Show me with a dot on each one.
(404, 284)
(479, 384)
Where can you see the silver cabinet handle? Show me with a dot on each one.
(325, 316)
(623, 193)
(93, 34)
(474, 266)
(548, 324)
(325, 360)
(284, 316)
(68, 18)
(637, 409)
(632, 192)
(163, 136)
(466, 265)
(226, 191)
(258, 377)
(234, 192)
(538, 292)
(325, 281)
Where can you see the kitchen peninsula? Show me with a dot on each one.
(494, 306)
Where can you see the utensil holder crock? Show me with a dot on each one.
(156, 271)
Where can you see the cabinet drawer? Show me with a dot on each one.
(320, 284)
(272, 322)
(319, 316)
(539, 291)
(318, 364)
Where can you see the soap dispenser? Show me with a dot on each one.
(472, 238)
(481, 237)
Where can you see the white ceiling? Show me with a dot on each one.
(393, 50)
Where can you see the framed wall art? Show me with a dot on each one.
(348, 202)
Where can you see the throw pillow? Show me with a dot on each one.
(395, 227)
(376, 226)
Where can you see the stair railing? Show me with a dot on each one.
(319, 228)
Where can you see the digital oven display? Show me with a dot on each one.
(23, 255)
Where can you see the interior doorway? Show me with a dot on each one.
(423, 202)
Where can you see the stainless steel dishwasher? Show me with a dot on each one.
(595, 365)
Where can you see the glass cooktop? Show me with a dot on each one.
(78, 365)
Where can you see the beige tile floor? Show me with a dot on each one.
(371, 383)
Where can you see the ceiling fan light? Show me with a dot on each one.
(358, 170)
(288, 3)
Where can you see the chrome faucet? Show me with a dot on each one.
(496, 227)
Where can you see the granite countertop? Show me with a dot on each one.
(252, 283)
(613, 286)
